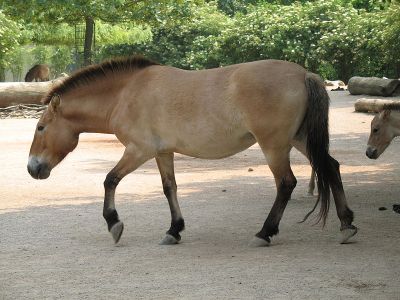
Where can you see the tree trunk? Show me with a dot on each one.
(87, 50)
(397, 70)
(373, 86)
(12, 93)
(2, 74)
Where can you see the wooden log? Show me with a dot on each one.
(371, 105)
(372, 86)
(12, 93)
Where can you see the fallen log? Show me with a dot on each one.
(14, 93)
(371, 105)
(373, 86)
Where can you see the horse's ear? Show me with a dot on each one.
(55, 102)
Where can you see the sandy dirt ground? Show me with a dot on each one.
(54, 242)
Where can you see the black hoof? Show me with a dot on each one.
(116, 231)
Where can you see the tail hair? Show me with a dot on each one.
(29, 76)
(317, 131)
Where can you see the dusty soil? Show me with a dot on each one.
(54, 243)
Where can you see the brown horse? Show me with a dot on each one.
(38, 73)
(157, 110)
(385, 126)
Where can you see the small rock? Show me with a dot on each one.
(382, 208)
(224, 191)
(396, 208)
(250, 170)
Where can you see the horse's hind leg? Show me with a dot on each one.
(130, 161)
(311, 184)
(165, 163)
(343, 211)
(278, 162)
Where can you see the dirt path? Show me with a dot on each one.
(54, 243)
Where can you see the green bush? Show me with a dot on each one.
(335, 38)
(9, 40)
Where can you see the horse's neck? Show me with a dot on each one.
(89, 113)
(395, 122)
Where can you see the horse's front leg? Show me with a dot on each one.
(130, 161)
(165, 163)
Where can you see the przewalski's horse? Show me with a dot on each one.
(38, 73)
(385, 126)
(157, 110)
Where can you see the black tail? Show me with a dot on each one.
(30, 75)
(316, 126)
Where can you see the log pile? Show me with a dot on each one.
(22, 111)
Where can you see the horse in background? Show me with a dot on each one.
(37, 73)
(385, 126)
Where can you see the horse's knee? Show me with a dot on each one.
(111, 181)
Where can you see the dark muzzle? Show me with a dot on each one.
(372, 153)
(38, 170)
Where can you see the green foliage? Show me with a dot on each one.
(336, 38)
(330, 37)
(9, 38)
(53, 34)
(391, 37)
(107, 34)
(16, 59)
(60, 60)
(184, 37)
(41, 54)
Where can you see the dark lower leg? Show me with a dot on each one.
(271, 224)
(165, 163)
(343, 211)
(109, 212)
(177, 222)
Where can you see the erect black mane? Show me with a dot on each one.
(94, 72)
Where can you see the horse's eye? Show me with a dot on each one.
(40, 128)
(375, 130)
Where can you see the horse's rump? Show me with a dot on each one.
(38, 72)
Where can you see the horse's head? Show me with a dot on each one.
(381, 134)
(54, 138)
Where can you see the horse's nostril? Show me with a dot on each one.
(39, 168)
(371, 153)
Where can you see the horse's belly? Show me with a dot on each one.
(215, 148)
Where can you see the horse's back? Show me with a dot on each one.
(217, 112)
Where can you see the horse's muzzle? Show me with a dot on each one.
(372, 153)
(37, 169)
